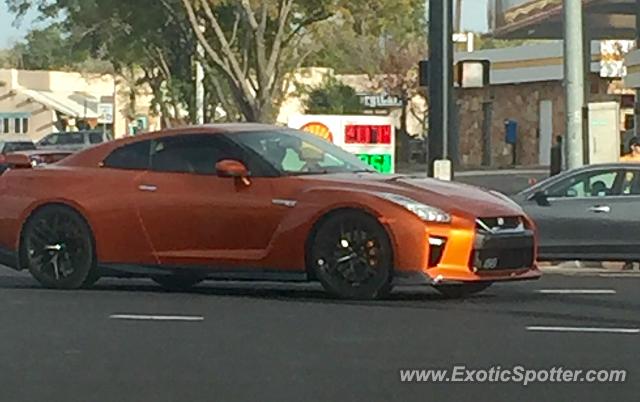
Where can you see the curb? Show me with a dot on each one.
(588, 272)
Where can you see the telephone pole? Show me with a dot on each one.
(574, 81)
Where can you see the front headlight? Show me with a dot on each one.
(425, 212)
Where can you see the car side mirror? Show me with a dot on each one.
(233, 168)
(16, 161)
(541, 198)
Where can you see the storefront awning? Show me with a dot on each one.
(543, 19)
(76, 105)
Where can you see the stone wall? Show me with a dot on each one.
(518, 102)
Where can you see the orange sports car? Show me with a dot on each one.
(251, 201)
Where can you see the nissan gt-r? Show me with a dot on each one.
(245, 201)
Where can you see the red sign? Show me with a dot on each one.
(357, 134)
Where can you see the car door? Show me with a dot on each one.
(121, 238)
(624, 214)
(194, 217)
(578, 216)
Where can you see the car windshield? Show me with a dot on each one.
(18, 146)
(297, 153)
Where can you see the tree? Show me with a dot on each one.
(358, 34)
(250, 46)
(145, 41)
(253, 45)
(332, 97)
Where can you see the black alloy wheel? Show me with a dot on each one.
(58, 249)
(351, 256)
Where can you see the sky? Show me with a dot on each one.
(474, 18)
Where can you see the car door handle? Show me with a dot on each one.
(600, 209)
(149, 188)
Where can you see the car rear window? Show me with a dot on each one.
(18, 146)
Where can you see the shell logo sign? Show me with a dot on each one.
(318, 129)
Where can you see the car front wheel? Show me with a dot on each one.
(351, 256)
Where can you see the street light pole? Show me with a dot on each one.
(574, 81)
(442, 142)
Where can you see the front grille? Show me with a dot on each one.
(499, 224)
(507, 251)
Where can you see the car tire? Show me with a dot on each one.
(57, 247)
(352, 257)
(458, 291)
(177, 282)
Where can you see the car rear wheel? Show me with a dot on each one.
(177, 282)
(458, 291)
(57, 248)
(351, 256)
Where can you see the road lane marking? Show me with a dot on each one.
(139, 317)
(577, 291)
(621, 275)
(585, 329)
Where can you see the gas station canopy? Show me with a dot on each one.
(542, 19)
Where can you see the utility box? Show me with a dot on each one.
(603, 132)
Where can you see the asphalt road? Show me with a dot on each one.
(273, 342)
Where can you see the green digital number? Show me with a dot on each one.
(380, 162)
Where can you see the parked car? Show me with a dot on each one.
(10, 144)
(255, 202)
(73, 140)
(589, 213)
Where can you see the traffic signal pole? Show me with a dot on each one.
(637, 105)
(574, 81)
(442, 139)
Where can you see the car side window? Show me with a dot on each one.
(196, 153)
(95, 138)
(135, 156)
(51, 140)
(588, 185)
(631, 183)
(71, 139)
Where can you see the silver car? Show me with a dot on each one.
(73, 141)
(590, 213)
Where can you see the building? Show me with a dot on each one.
(374, 100)
(526, 90)
(37, 103)
(543, 19)
(632, 62)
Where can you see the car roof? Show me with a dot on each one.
(584, 169)
(95, 155)
(15, 138)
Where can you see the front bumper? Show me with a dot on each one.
(480, 257)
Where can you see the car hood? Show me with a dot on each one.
(450, 197)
